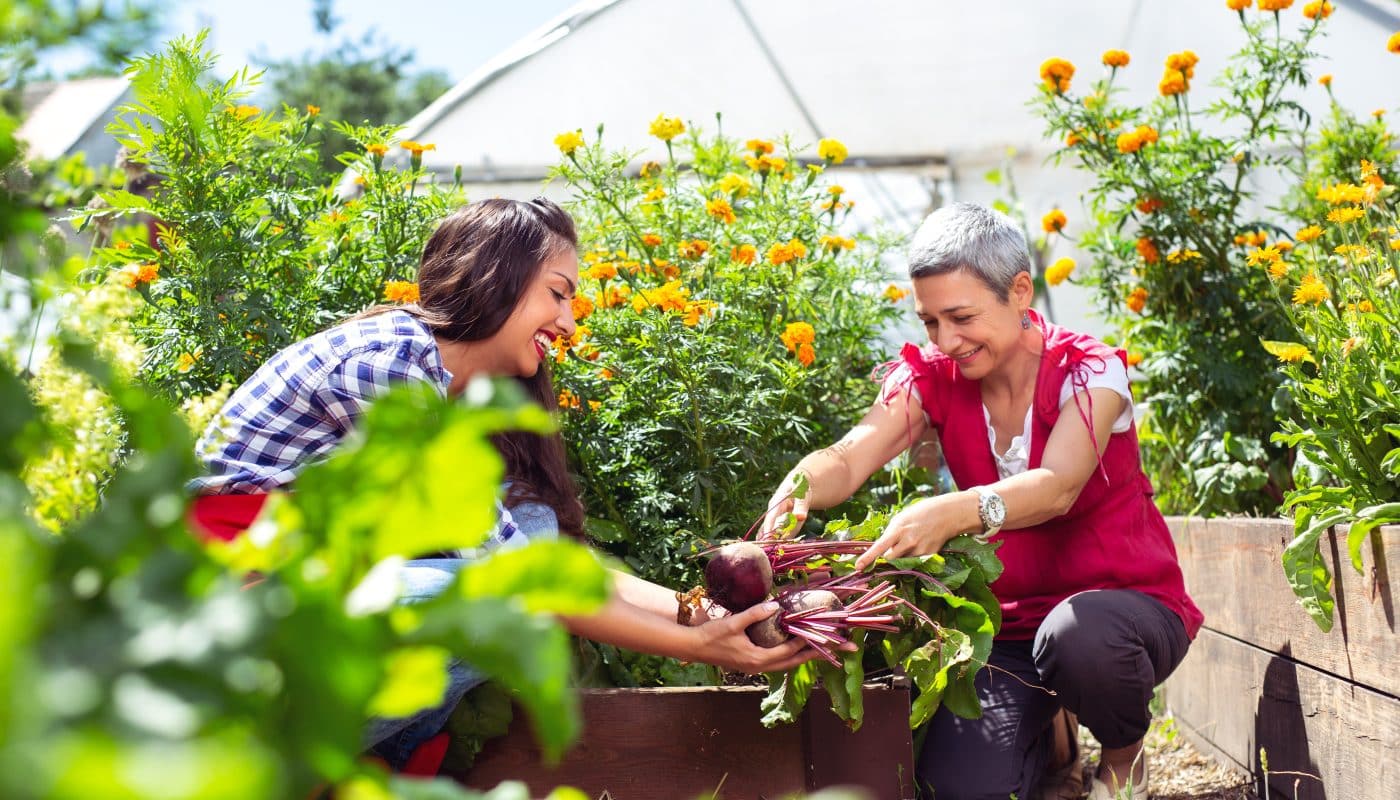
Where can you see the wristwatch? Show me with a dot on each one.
(991, 509)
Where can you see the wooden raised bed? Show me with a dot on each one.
(646, 744)
(1262, 675)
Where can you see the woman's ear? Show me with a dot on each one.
(1022, 291)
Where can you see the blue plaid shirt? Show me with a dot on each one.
(304, 400)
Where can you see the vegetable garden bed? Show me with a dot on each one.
(1262, 677)
(689, 742)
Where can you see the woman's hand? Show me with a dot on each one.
(924, 527)
(724, 643)
(776, 523)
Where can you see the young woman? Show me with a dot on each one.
(496, 283)
(1036, 424)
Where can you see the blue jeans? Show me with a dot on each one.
(394, 740)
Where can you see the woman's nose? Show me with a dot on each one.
(566, 319)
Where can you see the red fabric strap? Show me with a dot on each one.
(223, 517)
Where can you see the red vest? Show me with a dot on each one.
(1113, 537)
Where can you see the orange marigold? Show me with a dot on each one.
(894, 294)
(602, 271)
(1393, 43)
(1325, 80)
(693, 250)
(1137, 300)
(797, 333)
(806, 354)
(651, 240)
(1148, 250)
(783, 252)
(1116, 58)
(1274, 5)
(744, 254)
(760, 147)
(1318, 9)
(1056, 73)
(401, 291)
(1311, 290)
(1053, 222)
(582, 307)
(1150, 205)
(1238, 5)
(720, 209)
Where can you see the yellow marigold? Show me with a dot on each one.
(743, 254)
(568, 399)
(894, 294)
(401, 291)
(806, 354)
(735, 184)
(693, 250)
(1339, 193)
(1137, 300)
(1238, 5)
(760, 147)
(1318, 9)
(1263, 255)
(312, 110)
(613, 296)
(569, 141)
(602, 271)
(1056, 273)
(671, 297)
(648, 169)
(720, 209)
(606, 374)
(582, 307)
(1351, 344)
(418, 148)
(651, 239)
(796, 333)
(1341, 216)
(1308, 234)
(1182, 256)
(1073, 138)
(831, 150)
(1311, 290)
(696, 311)
(1134, 358)
(1325, 80)
(666, 128)
(1283, 246)
(244, 112)
(1149, 205)
(1184, 62)
(1292, 353)
(133, 275)
(1053, 222)
(1147, 250)
(655, 194)
(1134, 140)
(1274, 5)
(1355, 252)
(1278, 270)
(1173, 82)
(766, 164)
(1366, 307)
(1393, 43)
(1395, 244)
(185, 362)
(377, 149)
(835, 190)
(1116, 58)
(783, 252)
(1056, 73)
(834, 243)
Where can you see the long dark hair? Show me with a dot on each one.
(475, 269)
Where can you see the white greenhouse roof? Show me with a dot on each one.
(67, 113)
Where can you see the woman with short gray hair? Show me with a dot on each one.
(1036, 425)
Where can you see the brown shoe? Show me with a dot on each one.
(1064, 780)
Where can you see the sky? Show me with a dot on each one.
(454, 36)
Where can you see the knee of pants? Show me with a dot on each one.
(1076, 637)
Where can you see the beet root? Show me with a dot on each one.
(738, 576)
(767, 632)
(808, 600)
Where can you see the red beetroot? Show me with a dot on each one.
(739, 576)
(771, 633)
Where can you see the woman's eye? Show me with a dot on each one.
(558, 298)
(962, 320)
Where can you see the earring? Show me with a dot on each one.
(1025, 320)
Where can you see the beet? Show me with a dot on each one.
(767, 632)
(771, 633)
(738, 576)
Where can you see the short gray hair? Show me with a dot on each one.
(983, 241)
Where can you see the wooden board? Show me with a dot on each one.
(1233, 572)
(1239, 698)
(644, 744)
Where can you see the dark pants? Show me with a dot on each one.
(1101, 653)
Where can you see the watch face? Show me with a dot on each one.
(993, 510)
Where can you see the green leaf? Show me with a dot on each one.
(604, 530)
(787, 694)
(1367, 520)
(415, 678)
(1305, 567)
(558, 577)
(928, 668)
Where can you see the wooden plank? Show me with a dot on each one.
(1241, 698)
(1234, 572)
(640, 744)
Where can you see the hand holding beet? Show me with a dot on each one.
(726, 644)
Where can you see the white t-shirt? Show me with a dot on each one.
(1017, 457)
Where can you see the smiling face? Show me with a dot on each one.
(545, 312)
(968, 322)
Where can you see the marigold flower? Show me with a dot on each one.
(613, 296)
(656, 194)
(1184, 62)
(1263, 255)
(651, 240)
(1149, 205)
(242, 112)
(693, 250)
(582, 307)
(569, 141)
(1073, 138)
(1134, 358)
(1137, 300)
(766, 164)
(1308, 234)
(760, 147)
(1365, 307)
(376, 149)
(894, 294)
(568, 399)
(1352, 251)
(649, 169)
(1173, 82)
(720, 209)
(1278, 270)
(1134, 140)
(671, 297)
(1351, 344)
(1318, 9)
(735, 184)
(834, 243)
(1054, 221)
(1238, 5)
(606, 374)
(185, 362)
(696, 311)
(806, 354)
(418, 149)
(1274, 5)
(1311, 290)
(1116, 58)
(1182, 256)
(1147, 250)
(831, 150)
(401, 291)
(1056, 73)
(602, 271)
(1056, 273)
(1340, 193)
(744, 254)
(797, 333)
(666, 128)
(1341, 216)
(1292, 353)
(835, 190)
(1325, 80)
(1393, 43)
(782, 253)
(312, 110)
(1395, 244)
(133, 275)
